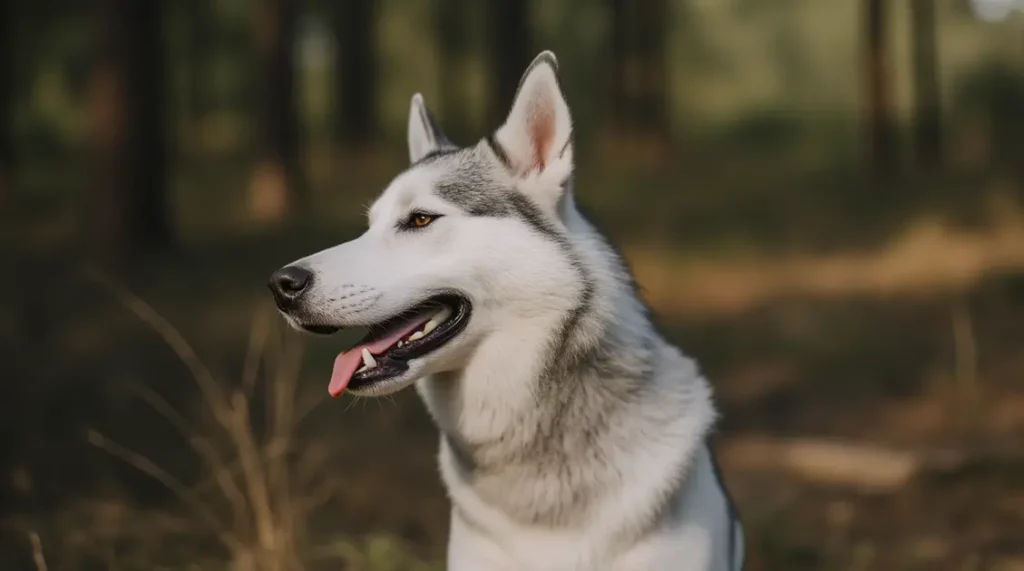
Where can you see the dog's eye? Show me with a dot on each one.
(420, 219)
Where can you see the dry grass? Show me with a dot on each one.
(259, 483)
(38, 559)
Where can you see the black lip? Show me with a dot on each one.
(321, 329)
(442, 334)
(394, 362)
(387, 368)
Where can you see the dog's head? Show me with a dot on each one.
(464, 241)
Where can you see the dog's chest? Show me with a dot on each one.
(519, 549)
(537, 487)
(497, 544)
(616, 535)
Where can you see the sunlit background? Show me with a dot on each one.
(823, 201)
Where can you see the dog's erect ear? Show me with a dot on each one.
(425, 136)
(536, 139)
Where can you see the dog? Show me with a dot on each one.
(573, 435)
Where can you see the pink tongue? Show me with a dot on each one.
(347, 362)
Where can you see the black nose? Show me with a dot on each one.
(288, 283)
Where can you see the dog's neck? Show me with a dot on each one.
(600, 345)
(544, 398)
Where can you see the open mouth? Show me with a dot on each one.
(384, 353)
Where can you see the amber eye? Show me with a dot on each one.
(420, 220)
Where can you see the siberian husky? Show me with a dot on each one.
(573, 436)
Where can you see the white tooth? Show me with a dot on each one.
(442, 315)
(415, 336)
(436, 320)
(361, 369)
(400, 342)
(368, 359)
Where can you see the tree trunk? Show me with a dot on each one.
(651, 88)
(511, 51)
(927, 105)
(639, 87)
(453, 44)
(7, 52)
(619, 81)
(200, 32)
(881, 131)
(355, 27)
(274, 189)
(129, 211)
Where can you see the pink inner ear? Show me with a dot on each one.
(542, 133)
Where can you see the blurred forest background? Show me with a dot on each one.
(822, 200)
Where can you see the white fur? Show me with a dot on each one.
(630, 437)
